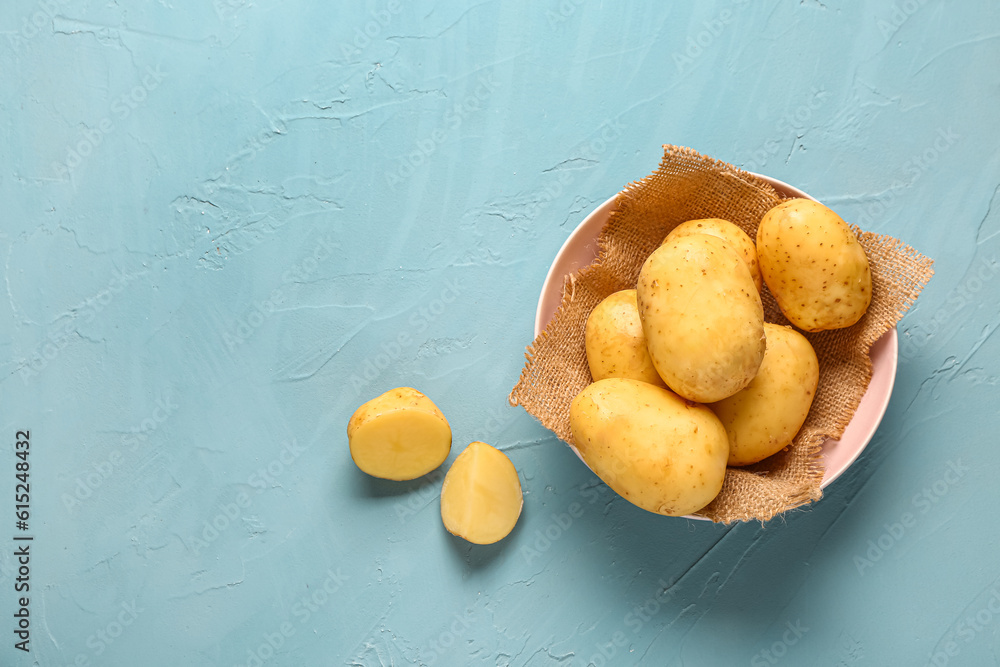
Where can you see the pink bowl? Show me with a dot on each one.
(580, 249)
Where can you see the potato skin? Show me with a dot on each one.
(813, 264)
(728, 232)
(616, 346)
(655, 449)
(763, 418)
(394, 399)
(702, 317)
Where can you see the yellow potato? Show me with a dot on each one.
(764, 418)
(728, 232)
(399, 435)
(814, 265)
(702, 317)
(615, 344)
(655, 449)
(481, 495)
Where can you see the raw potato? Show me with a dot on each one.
(615, 344)
(702, 317)
(763, 418)
(399, 435)
(481, 495)
(728, 232)
(814, 265)
(655, 449)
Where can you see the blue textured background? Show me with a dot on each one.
(225, 226)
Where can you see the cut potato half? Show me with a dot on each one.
(399, 435)
(481, 497)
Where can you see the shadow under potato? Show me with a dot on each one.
(374, 487)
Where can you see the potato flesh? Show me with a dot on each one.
(656, 450)
(481, 496)
(702, 317)
(616, 346)
(814, 265)
(763, 418)
(728, 232)
(399, 435)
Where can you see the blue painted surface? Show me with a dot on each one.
(218, 220)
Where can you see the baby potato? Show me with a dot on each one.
(728, 232)
(702, 317)
(399, 435)
(763, 418)
(814, 265)
(481, 496)
(652, 447)
(616, 346)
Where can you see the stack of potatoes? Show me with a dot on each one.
(689, 378)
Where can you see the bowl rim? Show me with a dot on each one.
(885, 348)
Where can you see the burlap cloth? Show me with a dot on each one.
(689, 186)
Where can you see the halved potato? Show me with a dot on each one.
(399, 435)
(481, 496)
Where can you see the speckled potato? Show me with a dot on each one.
(728, 232)
(702, 317)
(399, 435)
(655, 449)
(615, 344)
(763, 418)
(814, 265)
(481, 496)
